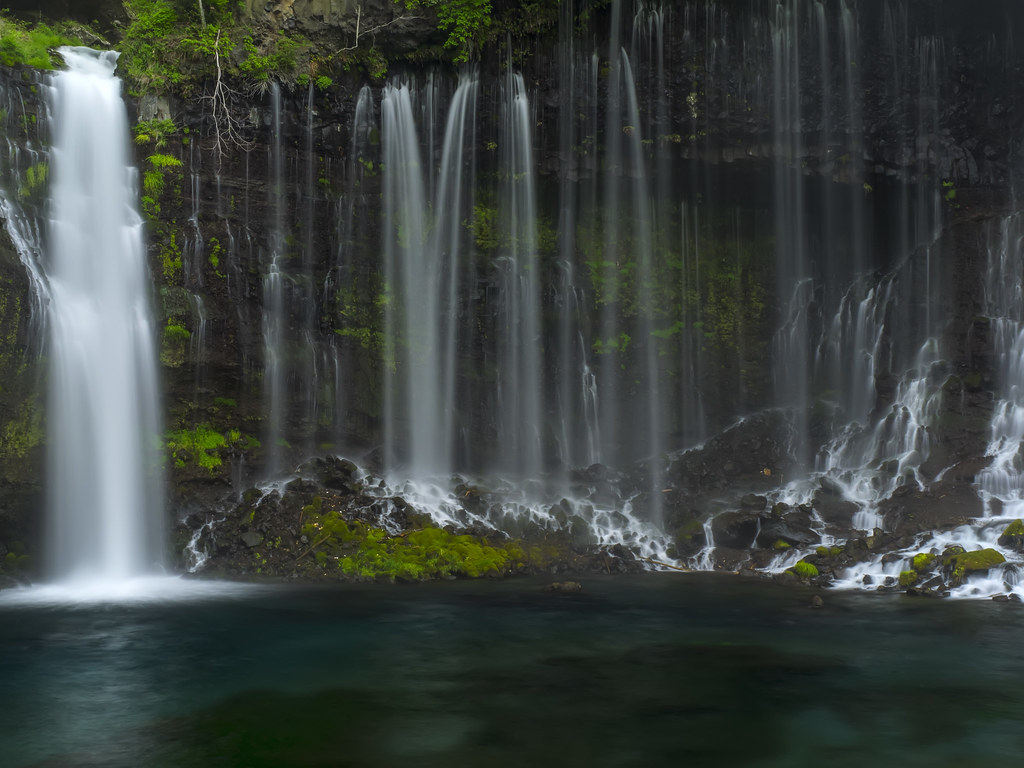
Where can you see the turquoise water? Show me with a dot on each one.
(699, 670)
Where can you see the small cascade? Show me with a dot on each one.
(197, 342)
(1001, 484)
(192, 251)
(105, 521)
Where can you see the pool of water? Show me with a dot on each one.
(698, 670)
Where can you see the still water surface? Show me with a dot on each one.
(698, 670)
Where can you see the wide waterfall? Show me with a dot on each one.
(680, 287)
(106, 504)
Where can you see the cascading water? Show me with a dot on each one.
(1001, 484)
(274, 321)
(519, 387)
(106, 511)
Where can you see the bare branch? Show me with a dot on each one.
(373, 30)
(227, 127)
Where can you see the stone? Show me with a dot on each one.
(252, 538)
(1013, 536)
(753, 501)
(564, 586)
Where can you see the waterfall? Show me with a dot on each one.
(422, 259)
(519, 384)
(274, 321)
(106, 502)
(1001, 483)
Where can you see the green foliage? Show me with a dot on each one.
(156, 131)
(167, 46)
(199, 445)
(323, 82)
(170, 259)
(279, 54)
(464, 20)
(369, 60)
(164, 161)
(31, 45)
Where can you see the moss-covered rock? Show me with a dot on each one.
(922, 561)
(1013, 536)
(957, 566)
(908, 578)
(979, 560)
(805, 570)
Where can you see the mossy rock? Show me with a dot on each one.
(908, 578)
(922, 561)
(967, 562)
(1013, 536)
(804, 570)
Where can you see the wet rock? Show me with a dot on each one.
(753, 501)
(817, 602)
(251, 539)
(735, 529)
(564, 586)
(794, 529)
(1013, 536)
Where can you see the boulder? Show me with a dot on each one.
(1013, 536)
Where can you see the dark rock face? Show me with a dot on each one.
(210, 243)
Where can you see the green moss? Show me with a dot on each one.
(199, 445)
(23, 432)
(805, 570)
(922, 561)
(979, 560)
(34, 185)
(363, 551)
(780, 544)
(908, 578)
(173, 344)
